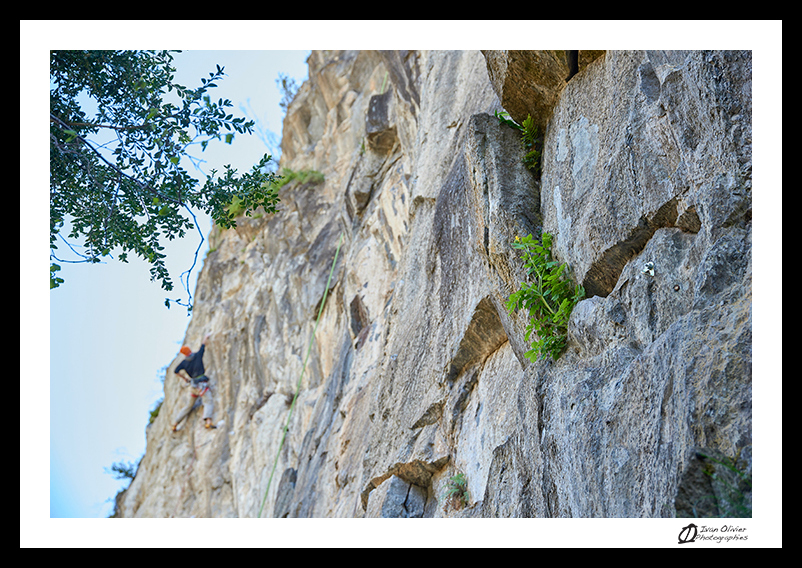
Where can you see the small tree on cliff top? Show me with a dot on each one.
(116, 177)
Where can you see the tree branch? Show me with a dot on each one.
(95, 125)
(141, 184)
(87, 258)
(188, 272)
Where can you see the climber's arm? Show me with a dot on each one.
(179, 370)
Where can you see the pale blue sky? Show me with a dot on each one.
(111, 335)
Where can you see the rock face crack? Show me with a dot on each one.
(360, 321)
(485, 334)
(286, 488)
(431, 416)
(416, 472)
(603, 274)
(404, 500)
(573, 63)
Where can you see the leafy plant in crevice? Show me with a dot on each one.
(456, 495)
(549, 297)
(531, 140)
(303, 176)
(532, 143)
(155, 412)
(731, 499)
(503, 118)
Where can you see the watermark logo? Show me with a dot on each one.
(724, 533)
(687, 534)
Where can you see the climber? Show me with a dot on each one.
(193, 373)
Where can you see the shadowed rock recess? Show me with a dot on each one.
(417, 370)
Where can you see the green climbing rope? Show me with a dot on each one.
(384, 82)
(303, 369)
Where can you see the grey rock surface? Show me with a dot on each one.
(417, 372)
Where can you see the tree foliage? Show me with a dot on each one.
(116, 173)
(123, 470)
(289, 88)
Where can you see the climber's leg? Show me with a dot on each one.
(184, 411)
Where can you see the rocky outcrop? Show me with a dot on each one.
(530, 82)
(416, 371)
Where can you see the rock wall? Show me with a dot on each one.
(416, 372)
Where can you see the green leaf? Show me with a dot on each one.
(549, 298)
(229, 138)
(503, 119)
(54, 281)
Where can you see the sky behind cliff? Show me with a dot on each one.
(87, 382)
(111, 335)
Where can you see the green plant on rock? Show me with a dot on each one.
(549, 297)
(531, 140)
(457, 495)
(155, 412)
(532, 144)
(504, 118)
(303, 176)
(732, 499)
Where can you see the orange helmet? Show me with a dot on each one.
(186, 351)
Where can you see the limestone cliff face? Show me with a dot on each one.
(417, 371)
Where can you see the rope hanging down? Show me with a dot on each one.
(303, 369)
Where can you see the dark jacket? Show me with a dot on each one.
(193, 364)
